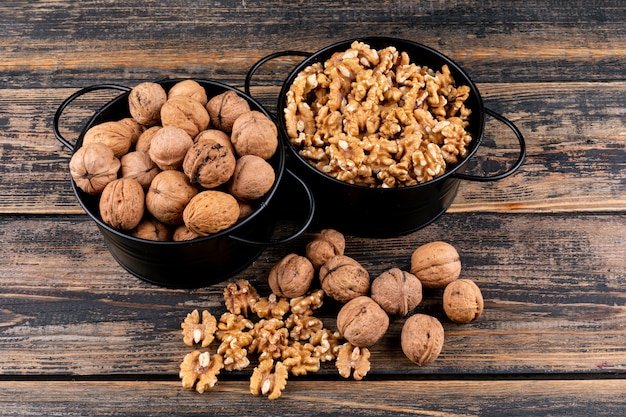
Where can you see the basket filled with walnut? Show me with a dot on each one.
(382, 129)
(181, 177)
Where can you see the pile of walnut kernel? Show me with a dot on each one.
(373, 118)
(283, 333)
(183, 165)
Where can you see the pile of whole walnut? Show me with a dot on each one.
(183, 165)
(288, 338)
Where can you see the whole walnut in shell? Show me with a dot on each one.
(144, 140)
(291, 277)
(182, 233)
(343, 278)
(362, 321)
(209, 164)
(436, 264)
(169, 146)
(422, 338)
(186, 113)
(397, 291)
(254, 134)
(252, 178)
(463, 301)
(225, 108)
(93, 166)
(152, 229)
(215, 136)
(211, 211)
(189, 88)
(325, 244)
(169, 193)
(135, 128)
(145, 101)
(115, 134)
(139, 166)
(122, 203)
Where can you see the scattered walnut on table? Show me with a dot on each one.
(362, 322)
(270, 338)
(307, 303)
(343, 278)
(436, 264)
(396, 291)
(240, 297)
(324, 245)
(271, 306)
(353, 360)
(265, 382)
(200, 368)
(231, 323)
(233, 348)
(422, 338)
(291, 276)
(303, 326)
(195, 331)
(300, 360)
(463, 301)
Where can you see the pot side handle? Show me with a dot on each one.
(265, 59)
(70, 99)
(518, 162)
(303, 227)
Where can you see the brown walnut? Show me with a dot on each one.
(189, 88)
(152, 229)
(252, 178)
(182, 233)
(291, 277)
(436, 264)
(325, 244)
(168, 195)
(254, 134)
(144, 140)
(115, 134)
(139, 166)
(122, 204)
(225, 108)
(211, 211)
(135, 127)
(463, 301)
(362, 322)
(169, 146)
(343, 278)
(93, 166)
(422, 338)
(209, 164)
(186, 113)
(397, 292)
(216, 136)
(145, 101)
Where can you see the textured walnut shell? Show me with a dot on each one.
(291, 277)
(152, 229)
(115, 134)
(343, 278)
(93, 166)
(145, 101)
(169, 146)
(182, 233)
(189, 88)
(122, 204)
(135, 127)
(463, 301)
(185, 113)
(252, 178)
(362, 321)
(169, 193)
(254, 134)
(211, 211)
(144, 140)
(225, 108)
(209, 164)
(436, 264)
(139, 166)
(422, 338)
(397, 292)
(215, 136)
(325, 244)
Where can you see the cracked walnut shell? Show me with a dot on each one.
(463, 301)
(343, 278)
(122, 204)
(436, 264)
(397, 291)
(93, 166)
(422, 338)
(362, 321)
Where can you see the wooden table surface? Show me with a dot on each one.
(81, 336)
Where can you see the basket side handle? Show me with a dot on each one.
(70, 99)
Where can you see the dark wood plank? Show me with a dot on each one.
(552, 286)
(365, 398)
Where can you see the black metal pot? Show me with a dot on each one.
(202, 261)
(377, 212)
